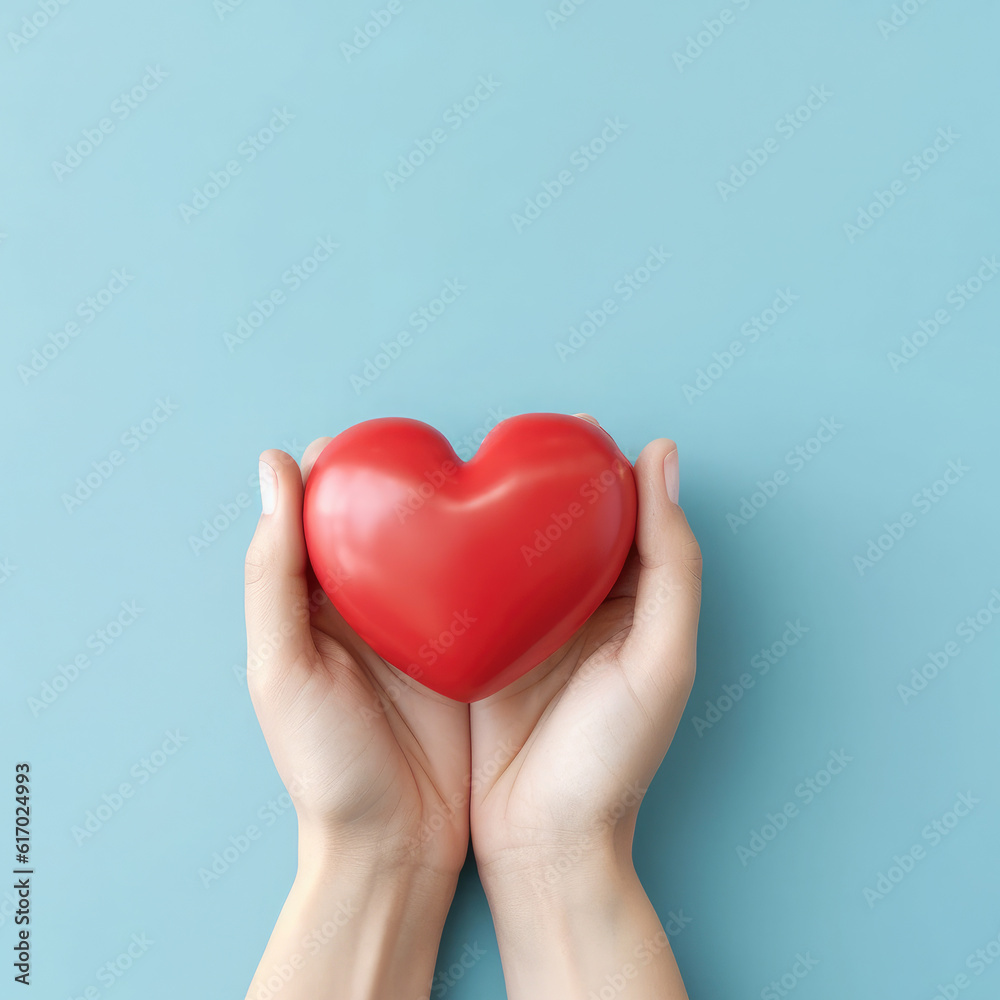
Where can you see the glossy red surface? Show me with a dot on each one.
(465, 575)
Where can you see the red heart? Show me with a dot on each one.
(465, 575)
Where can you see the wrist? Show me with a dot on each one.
(324, 853)
(354, 926)
(549, 868)
(404, 908)
(570, 923)
(374, 881)
(539, 882)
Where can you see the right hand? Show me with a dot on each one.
(376, 764)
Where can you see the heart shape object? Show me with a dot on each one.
(465, 575)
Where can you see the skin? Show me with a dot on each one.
(389, 779)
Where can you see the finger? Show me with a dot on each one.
(275, 572)
(310, 455)
(659, 653)
(587, 416)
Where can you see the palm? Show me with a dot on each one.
(401, 752)
(579, 725)
(373, 749)
(360, 745)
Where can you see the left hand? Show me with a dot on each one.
(590, 725)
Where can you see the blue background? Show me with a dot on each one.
(178, 667)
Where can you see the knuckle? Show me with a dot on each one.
(692, 561)
(255, 566)
(270, 667)
(265, 686)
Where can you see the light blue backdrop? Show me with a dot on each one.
(784, 156)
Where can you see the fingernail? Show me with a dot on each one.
(268, 489)
(587, 416)
(672, 475)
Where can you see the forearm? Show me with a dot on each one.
(352, 931)
(569, 928)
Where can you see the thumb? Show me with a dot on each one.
(659, 653)
(277, 610)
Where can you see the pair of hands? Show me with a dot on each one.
(389, 776)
